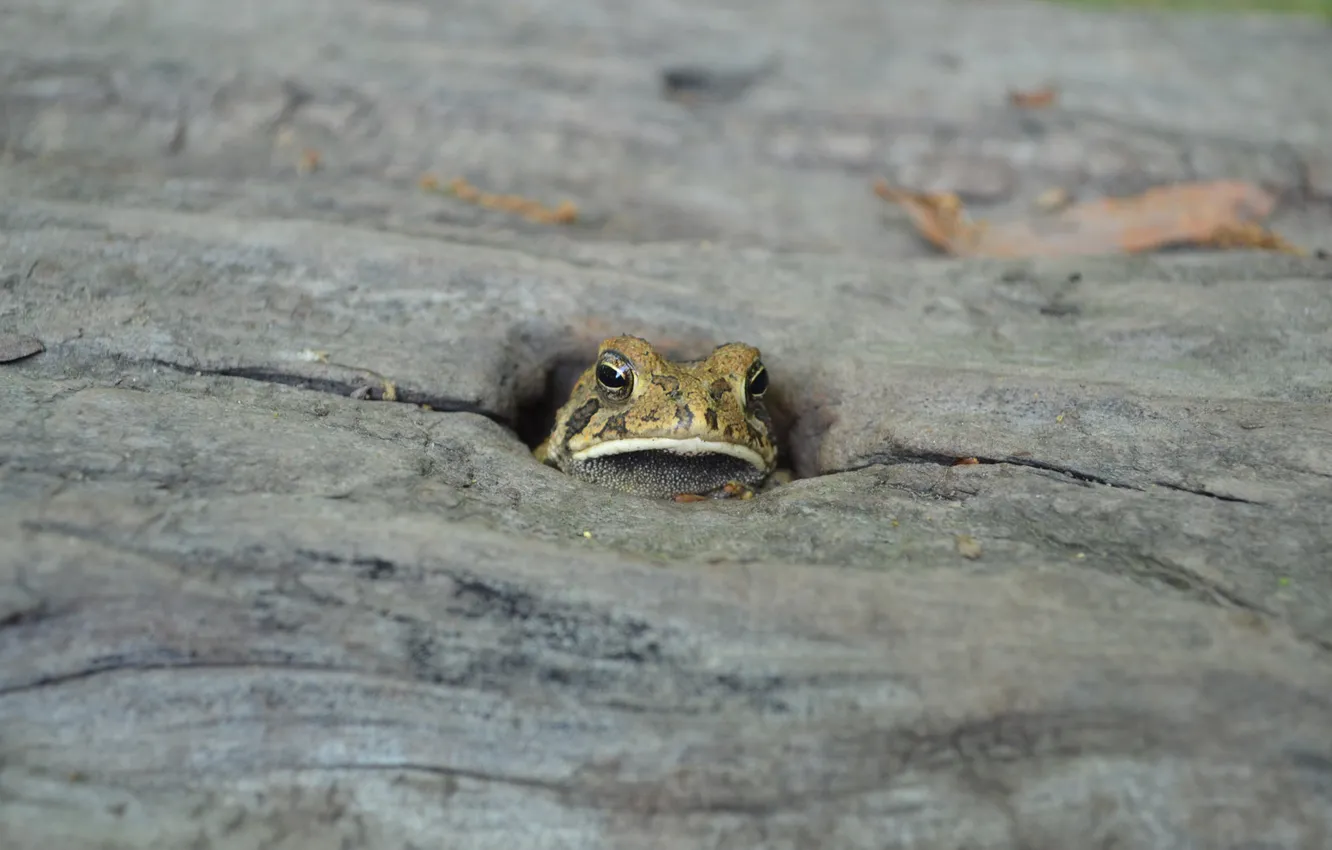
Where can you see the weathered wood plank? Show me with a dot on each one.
(240, 607)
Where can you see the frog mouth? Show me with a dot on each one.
(687, 446)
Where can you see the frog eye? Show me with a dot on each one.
(757, 384)
(615, 376)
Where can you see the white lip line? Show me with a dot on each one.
(689, 446)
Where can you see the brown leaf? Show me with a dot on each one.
(565, 213)
(18, 347)
(1219, 214)
(1250, 235)
(1038, 99)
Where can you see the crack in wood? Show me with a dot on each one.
(949, 460)
(270, 375)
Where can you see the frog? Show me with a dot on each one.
(685, 430)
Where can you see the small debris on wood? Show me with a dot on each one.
(310, 161)
(1057, 307)
(687, 81)
(967, 546)
(1052, 200)
(386, 391)
(734, 490)
(565, 213)
(1038, 99)
(1217, 214)
(13, 348)
(692, 83)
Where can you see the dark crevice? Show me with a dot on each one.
(536, 414)
(900, 457)
(1198, 491)
(368, 567)
(1189, 582)
(441, 404)
(26, 616)
(444, 771)
(917, 457)
(692, 83)
(1075, 474)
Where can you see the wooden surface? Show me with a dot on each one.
(245, 601)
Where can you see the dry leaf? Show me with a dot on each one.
(1220, 214)
(966, 461)
(1038, 99)
(565, 213)
(1250, 235)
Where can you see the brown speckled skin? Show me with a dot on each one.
(706, 399)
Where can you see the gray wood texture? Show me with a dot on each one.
(246, 601)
